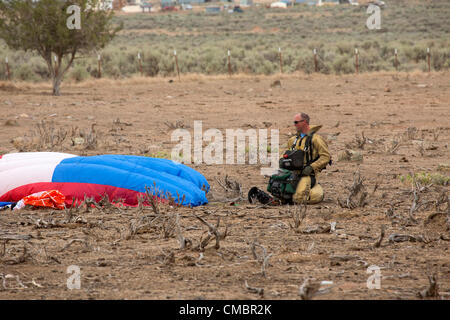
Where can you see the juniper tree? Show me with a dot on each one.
(50, 28)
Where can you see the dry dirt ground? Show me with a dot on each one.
(135, 254)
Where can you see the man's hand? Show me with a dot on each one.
(307, 171)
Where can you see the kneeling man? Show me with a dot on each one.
(316, 159)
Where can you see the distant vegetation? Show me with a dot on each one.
(202, 40)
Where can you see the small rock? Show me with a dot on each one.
(11, 123)
(350, 155)
(276, 83)
(333, 226)
(24, 115)
(317, 229)
(78, 141)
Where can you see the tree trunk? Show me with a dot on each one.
(57, 80)
(56, 70)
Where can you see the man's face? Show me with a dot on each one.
(299, 123)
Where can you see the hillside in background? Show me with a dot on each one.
(254, 36)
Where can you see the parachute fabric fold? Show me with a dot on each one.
(121, 177)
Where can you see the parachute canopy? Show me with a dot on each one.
(122, 178)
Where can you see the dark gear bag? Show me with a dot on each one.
(283, 184)
(295, 159)
(292, 160)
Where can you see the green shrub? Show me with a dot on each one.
(150, 64)
(440, 60)
(25, 72)
(345, 48)
(162, 154)
(416, 53)
(78, 73)
(166, 65)
(305, 64)
(426, 178)
(343, 65)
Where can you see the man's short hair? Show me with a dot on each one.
(305, 117)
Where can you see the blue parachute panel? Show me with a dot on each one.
(135, 173)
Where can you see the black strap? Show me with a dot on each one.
(313, 181)
(309, 153)
(295, 142)
(309, 149)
